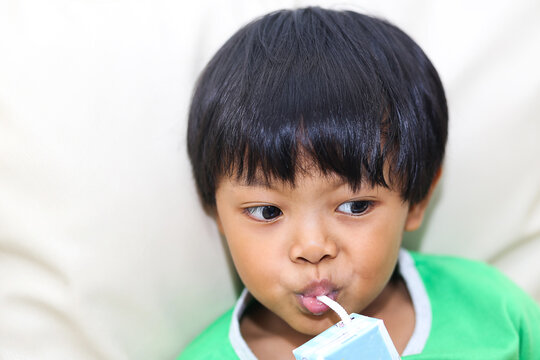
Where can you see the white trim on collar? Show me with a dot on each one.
(421, 304)
(237, 341)
(415, 286)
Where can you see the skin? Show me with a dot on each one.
(323, 231)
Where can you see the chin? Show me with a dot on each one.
(313, 325)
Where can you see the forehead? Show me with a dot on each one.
(300, 179)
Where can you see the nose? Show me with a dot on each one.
(312, 243)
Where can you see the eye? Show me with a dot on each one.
(355, 208)
(264, 213)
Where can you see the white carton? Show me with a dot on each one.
(362, 338)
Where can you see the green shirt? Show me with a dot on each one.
(476, 313)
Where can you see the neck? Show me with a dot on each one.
(268, 336)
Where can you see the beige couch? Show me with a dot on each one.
(104, 251)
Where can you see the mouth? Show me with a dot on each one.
(307, 297)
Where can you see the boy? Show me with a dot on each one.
(316, 138)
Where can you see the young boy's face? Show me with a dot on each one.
(291, 244)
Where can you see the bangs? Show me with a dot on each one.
(312, 144)
(346, 93)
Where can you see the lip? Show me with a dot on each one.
(307, 297)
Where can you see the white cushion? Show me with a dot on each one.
(104, 250)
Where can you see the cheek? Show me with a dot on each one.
(256, 258)
(376, 248)
(376, 237)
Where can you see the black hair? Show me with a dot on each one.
(352, 94)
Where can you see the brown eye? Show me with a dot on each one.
(264, 213)
(355, 208)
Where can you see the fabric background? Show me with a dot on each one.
(104, 250)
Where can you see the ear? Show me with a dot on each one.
(417, 211)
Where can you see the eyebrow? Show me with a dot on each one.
(255, 182)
